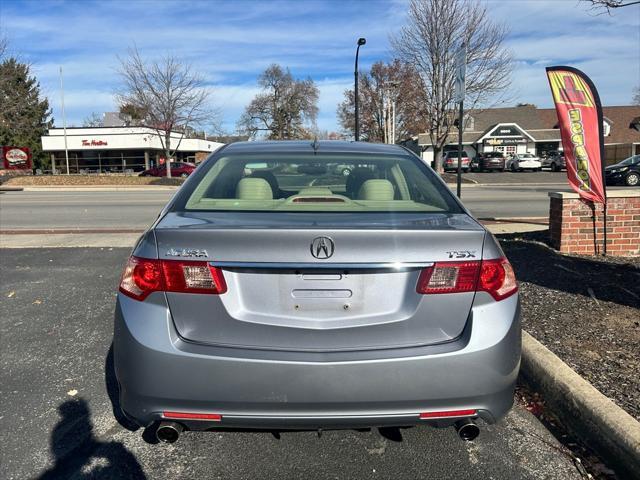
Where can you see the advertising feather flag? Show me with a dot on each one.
(580, 121)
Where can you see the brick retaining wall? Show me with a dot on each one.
(571, 223)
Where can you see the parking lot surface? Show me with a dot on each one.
(57, 389)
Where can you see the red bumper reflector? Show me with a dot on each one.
(448, 413)
(215, 417)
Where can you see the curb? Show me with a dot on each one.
(600, 423)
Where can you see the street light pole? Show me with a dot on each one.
(361, 41)
(64, 122)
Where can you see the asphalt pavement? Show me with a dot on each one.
(57, 389)
(138, 209)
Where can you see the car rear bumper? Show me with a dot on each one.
(158, 371)
(529, 165)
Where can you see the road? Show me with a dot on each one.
(137, 209)
(57, 388)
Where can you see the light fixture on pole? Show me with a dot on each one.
(361, 41)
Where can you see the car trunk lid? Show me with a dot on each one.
(280, 296)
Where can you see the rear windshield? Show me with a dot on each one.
(320, 183)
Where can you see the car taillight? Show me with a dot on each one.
(449, 277)
(143, 276)
(192, 277)
(495, 277)
(140, 277)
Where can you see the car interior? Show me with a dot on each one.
(341, 184)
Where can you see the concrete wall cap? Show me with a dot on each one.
(622, 193)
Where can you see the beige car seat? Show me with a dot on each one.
(254, 189)
(376, 189)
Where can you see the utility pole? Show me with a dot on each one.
(64, 122)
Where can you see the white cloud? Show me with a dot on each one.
(232, 43)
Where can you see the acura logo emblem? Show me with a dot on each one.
(322, 247)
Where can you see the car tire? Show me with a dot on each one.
(465, 170)
(633, 179)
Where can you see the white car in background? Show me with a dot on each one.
(524, 161)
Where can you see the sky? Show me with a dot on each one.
(231, 43)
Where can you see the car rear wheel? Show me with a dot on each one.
(633, 179)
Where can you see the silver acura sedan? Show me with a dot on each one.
(275, 292)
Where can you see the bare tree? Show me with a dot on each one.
(636, 96)
(287, 108)
(434, 32)
(605, 6)
(4, 45)
(395, 81)
(169, 93)
(93, 120)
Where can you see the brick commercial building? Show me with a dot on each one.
(530, 129)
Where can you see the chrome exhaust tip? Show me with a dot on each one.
(467, 430)
(169, 432)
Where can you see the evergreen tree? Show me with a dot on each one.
(24, 115)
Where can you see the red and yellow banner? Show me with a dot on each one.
(580, 121)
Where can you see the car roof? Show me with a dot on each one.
(307, 146)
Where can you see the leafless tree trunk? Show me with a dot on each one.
(434, 32)
(170, 94)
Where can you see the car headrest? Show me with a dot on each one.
(355, 180)
(254, 189)
(376, 189)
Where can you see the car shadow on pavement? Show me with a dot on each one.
(79, 454)
(610, 279)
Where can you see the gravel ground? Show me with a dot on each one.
(584, 309)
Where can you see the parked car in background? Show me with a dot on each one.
(524, 161)
(555, 161)
(450, 161)
(178, 169)
(626, 172)
(490, 161)
(375, 301)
